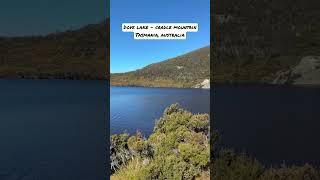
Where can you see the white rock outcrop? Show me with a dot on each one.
(179, 67)
(204, 85)
(306, 72)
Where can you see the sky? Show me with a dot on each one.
(34, 17)
(128, 54)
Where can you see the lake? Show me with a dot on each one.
(138, 108)
(56, 129)
(52, 129)
(272, 123)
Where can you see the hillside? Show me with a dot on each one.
(186, 70)
(257, 40)
(74, 54)
(253, 42)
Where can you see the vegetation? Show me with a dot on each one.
(229, 166)
(179, 149)
(183, 71)
(254, 40)
(74, 54)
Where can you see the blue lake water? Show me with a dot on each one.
(51, 129)
(272, 123)
(137, 108)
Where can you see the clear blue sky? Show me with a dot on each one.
(33, 17)
(128, 54)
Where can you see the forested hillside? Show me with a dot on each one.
(74, 54)
(256, 40)
(186, 70)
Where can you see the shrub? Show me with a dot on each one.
(181, 144)
(306, 172)
(230, 166)
(119, 152)
(139, 146)
(178, 148)
(133, 170)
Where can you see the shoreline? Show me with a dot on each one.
(67, 79)
(229, 84)
(266, 85)
(164, 87)
(174, 87)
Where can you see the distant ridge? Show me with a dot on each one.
(187, 70)
(73, 54)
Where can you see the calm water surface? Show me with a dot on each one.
(137, 108)
(56, 129)
(51, 129)
(273, 124)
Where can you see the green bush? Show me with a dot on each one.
(178, 148)
(119, 152)
(306, 172)
(133, 170)
(139, 146)
(229, 166)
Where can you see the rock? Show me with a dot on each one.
(224, 18)
(306, 72)
(282, 77)
(204, 85)
(179, 67)
(307, 65)
(145, 162)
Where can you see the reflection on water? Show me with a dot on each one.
(136, 108)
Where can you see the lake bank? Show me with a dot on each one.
(53, 77)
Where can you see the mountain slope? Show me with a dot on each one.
(186, 70)
(255, 40)
(76, 54)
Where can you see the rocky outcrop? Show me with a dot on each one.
(282, 77)
(306, 72)
(204, 85)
